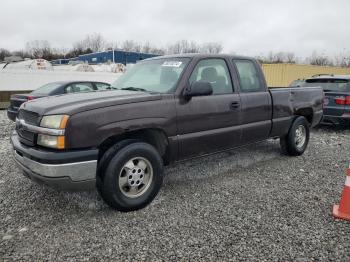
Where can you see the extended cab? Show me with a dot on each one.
(167, 109)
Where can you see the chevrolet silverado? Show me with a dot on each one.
(166, 109)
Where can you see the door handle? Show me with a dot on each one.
(234, 105)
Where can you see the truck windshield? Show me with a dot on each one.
(156, 75)
(328, 84)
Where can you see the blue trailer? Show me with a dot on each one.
(63, 61)
(116, 56)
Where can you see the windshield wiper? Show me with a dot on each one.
(131, 88)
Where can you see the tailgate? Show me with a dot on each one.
(332, 103)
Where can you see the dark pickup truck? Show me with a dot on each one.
(166, 109)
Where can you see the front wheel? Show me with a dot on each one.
(297, 139)
(132, 178)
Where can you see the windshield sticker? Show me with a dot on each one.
(172, 63)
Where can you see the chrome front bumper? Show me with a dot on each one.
(74, 172)
(72, 176)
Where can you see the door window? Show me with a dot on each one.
(248, 76)
(102, 86)
(214, 71)
(79, 87)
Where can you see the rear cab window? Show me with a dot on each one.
(248, 76)
(329, 84)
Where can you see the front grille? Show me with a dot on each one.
(29, 117)
(27, 135)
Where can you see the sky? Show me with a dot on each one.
(249, 27)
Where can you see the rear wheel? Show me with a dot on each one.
(297, 139)
(132, 177)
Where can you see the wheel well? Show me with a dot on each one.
(155, 137)
(305, 112)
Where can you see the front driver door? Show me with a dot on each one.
(210, 123)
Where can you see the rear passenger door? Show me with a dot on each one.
(209, 123)
(256, 102)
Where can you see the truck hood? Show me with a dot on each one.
(79, 102)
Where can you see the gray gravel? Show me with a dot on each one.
(248, 204)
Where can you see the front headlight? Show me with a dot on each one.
(54, 121)
(56, 142)
(53, 138)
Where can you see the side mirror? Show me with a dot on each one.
(198, 88)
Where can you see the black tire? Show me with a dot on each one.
(111, 167)
(289, 143)
(106, 157)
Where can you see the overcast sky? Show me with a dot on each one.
(247, 27)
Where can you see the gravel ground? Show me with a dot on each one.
(248, 204)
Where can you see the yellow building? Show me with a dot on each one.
(281, 75)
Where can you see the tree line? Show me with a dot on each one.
(342, 59)
(96, 43)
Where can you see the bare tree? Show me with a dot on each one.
(290, 58)
(21, 53)
(4, 53)
(146, 47)
(277, 57)
(157, 51)
(192, 47)
(39, 49)
(131, 46)
(342, 59)
(320, 60)
(151, 49)
(183, 46)
(94, 42)
(174, 48)
(211, 48)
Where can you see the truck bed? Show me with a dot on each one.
(288, 102)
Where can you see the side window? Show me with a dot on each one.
(102, 86)
(214, 71)
(69, 89)
(79, 87)
(248, 76)
(83, 87)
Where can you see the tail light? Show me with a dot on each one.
(30, 98)
(342, 100)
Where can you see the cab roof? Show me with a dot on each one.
(199, 55)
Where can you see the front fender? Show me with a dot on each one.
(91, 136)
